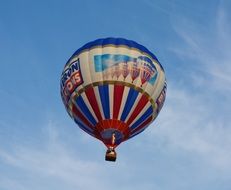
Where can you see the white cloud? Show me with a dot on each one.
(187, 124)
(209, 47)
(195, 118)
(59, 164)
(55, 161)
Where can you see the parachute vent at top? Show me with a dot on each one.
(113, 89)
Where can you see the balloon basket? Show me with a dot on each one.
(110, 155)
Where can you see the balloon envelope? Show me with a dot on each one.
(113, 89)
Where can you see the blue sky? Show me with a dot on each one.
(187, 147)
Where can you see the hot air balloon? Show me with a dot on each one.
(113, 89)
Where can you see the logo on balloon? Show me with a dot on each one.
(71, 79)
(160, 100)
(117, 65)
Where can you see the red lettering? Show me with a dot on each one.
(76, 79)
(69, 86)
